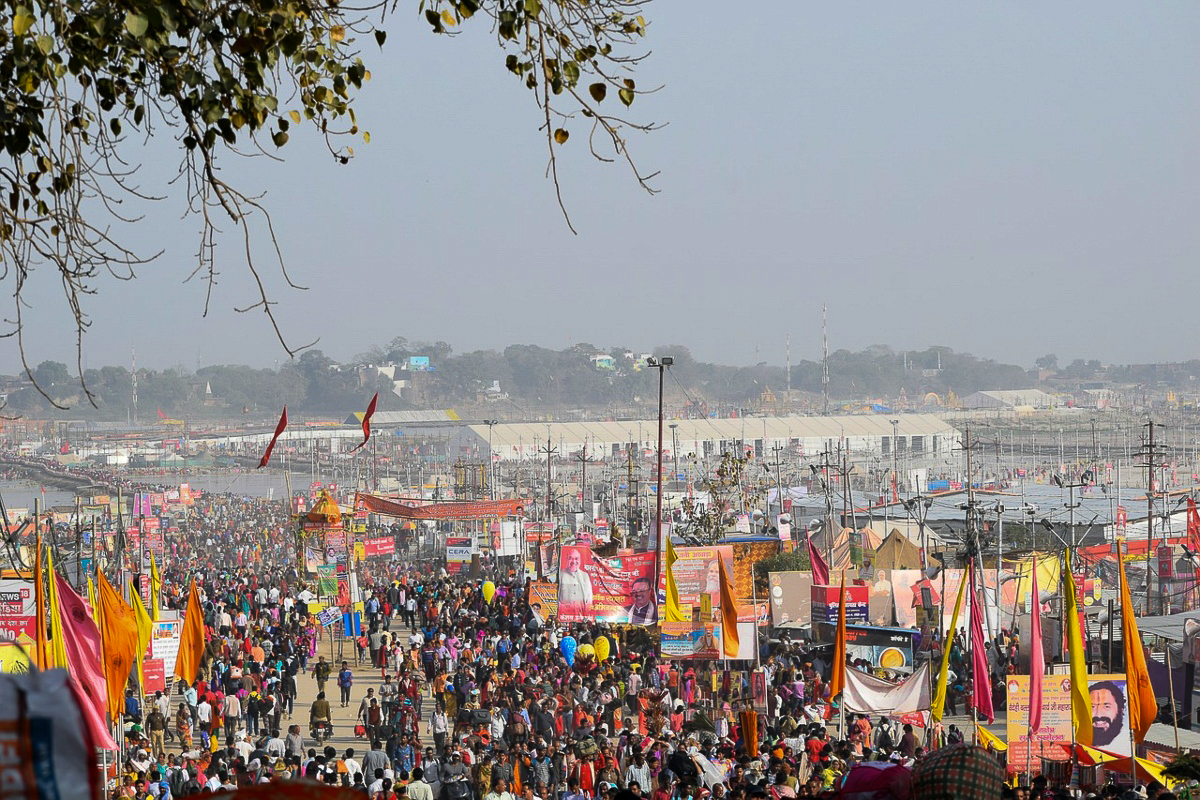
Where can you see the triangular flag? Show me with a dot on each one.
(279, 429)
(939, 696)
(41, 655)
(1081, 698)
(366, 423)
(82, 642)
(820, 570)
(155, 589)
(1143, 707)
(145, 627)
(1037, 656)
(729, 614)
(191, 644)
(980, 677)
(57, 650)
(119, 638)
(674, 610)
(838, 682)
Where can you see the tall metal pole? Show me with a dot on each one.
(661, 364)
(1149, 512)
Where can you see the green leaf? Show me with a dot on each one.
(626, 96)
(279, 138)
(598, 91)
(22, 21)
(380, 37)
(45, 43)
(136, 24)
(533, 8)
(561, 135)
(435, 19)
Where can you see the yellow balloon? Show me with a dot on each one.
(489, 591)
(586, 650)
(601, 648)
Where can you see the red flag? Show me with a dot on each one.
(279, 429)
(980, 675)
(820, 570)
(1193, 525)
(161, 415)
(367, 420)
(1037, 658)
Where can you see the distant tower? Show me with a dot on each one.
(133, 375)
(788, 357)
(824, 360)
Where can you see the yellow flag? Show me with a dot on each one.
(939, 696)
(1081, 698)
(58, 645)
(155, 589)
(674, 611)
(92, 599)
(119, 637)
(1143, 707)
(838, 682)
(41, 654)
(144, 628)
(729, 614)
(987, 738)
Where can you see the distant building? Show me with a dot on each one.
(604, 362)
(1008, 398)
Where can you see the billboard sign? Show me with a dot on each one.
(1110, 714)
(615, 590)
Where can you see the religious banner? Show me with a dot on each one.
(1110, 715)
(697, 573)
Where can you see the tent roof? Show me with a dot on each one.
(897, 552)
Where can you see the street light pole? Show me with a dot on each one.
(895, 457)
(491, 423)
(661, 365)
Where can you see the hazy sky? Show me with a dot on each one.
(1007, 179)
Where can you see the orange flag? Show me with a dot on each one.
(1143, 707)
(191, 644)
(729, 615)
(119, 638)
(838, 682)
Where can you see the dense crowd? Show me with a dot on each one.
(465, 690)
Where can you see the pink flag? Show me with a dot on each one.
(979, 663)
(81, 639)
(1037, 659)
(820, 570)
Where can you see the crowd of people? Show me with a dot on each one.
(454, 695)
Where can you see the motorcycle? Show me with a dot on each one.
(321, 731)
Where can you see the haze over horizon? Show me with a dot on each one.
(1003, 180)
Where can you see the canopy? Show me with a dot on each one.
(482, 509)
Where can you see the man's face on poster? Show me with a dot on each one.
(1107, 716)
(642, 594)
(573, 561)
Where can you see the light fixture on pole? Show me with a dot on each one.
(661, 365)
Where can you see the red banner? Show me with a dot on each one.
(156, 675)
(384, 546)
(481, 509)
